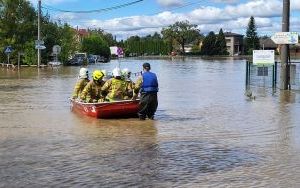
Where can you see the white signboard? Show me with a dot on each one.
(56, 49)
(263, 57)
(40, 47)
(39, 42)
(285, 38)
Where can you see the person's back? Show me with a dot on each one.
(115, 87)
(81, 83)
(147, 85)
(126, 74)
(92, 91)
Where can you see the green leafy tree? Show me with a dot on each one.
(108, 37)
(69, 45)
(209, 44)
(252, 40)
(220, 47)
(95, 44)
(183, 32)
(148, 45)
(30, 54)
(169, 37)
(17, 23)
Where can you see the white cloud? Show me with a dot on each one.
(295, 4)
(170, 3)
(233, 18)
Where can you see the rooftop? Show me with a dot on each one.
(229, 34)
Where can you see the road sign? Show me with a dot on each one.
(39, 42)
(263, 57)
(8, 49)
(285, 38)
(40, 47)
(56, 49)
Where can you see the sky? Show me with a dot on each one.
(125, 18)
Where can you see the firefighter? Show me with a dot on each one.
(83, 80)
(92, 91)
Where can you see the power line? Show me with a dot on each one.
(171, 9)
(92, 11)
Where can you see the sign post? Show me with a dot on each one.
(56, 49)
(7, 51)
(284, 50)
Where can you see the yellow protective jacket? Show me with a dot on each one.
(79, 86)
(138, 84)
(92, 92)
(115, 88)
(129, 89)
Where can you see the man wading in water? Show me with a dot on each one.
(147, 85)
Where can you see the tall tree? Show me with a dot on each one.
(252, 40)
(17, 23)
(184, 33)
(68, 45)
(220, 47)
(169, 37)
(209, 44)
(95, 44)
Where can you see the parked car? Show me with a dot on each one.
(78, 59)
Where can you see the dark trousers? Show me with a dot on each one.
(148, 105)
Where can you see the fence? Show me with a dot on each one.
(268, 76)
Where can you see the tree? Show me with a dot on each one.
(183, 32)
(209, 44)
(252, 40)
(95, 44)
(17, 23)
(169, 37)
(220, 47)
(68, 45)
(148, 45)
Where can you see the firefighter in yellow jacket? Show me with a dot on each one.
(115, 88)
(126, 74)
(92, 91)
(83, 80)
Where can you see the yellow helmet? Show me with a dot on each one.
(97, 75)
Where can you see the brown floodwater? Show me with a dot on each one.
(207, 133)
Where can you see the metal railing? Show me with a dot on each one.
(267, 76)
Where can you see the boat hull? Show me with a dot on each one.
(120, 109)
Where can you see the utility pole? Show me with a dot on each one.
(284, 51)
(39, 33)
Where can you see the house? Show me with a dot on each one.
(234, 43)
(268, 44)
(81, 33)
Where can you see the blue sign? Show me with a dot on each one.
(8, 49)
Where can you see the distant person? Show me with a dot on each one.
(115, 88)
(126, 74)
(92, 91)
(147, 85)
(83, 80)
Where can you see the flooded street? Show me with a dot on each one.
(207, 133)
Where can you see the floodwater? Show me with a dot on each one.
(207, 133)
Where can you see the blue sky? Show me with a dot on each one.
(149, 16)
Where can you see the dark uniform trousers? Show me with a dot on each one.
(148, 105)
